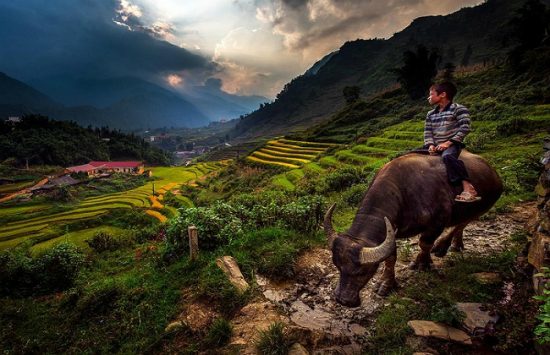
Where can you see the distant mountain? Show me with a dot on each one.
(126, 103)
(470, 35)
(16, 96)
(218, 104)
(209, 100)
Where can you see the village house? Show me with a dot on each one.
(100, 167)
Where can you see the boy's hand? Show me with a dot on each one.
(443, 146)
(431, 149)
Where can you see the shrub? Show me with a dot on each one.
(354, 195)
(222, 222)
(103, 241)
(16, 273)
(514, 126)
(58, 267)
(273, 341)
(542, 330)
(219, 333)
(346, 177)
(55, 270)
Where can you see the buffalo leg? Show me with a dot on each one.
(423, 259)
(454, 235)
(387, 281)
(457, 244)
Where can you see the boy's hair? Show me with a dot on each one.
(447, 87)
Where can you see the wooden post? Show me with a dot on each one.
(193, 242)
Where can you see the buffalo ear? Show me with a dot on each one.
(327, 226)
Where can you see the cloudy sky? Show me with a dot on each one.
(253, 46)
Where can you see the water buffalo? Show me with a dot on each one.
(410, 195)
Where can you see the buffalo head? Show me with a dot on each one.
(357, 264)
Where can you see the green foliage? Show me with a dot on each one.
(56, 269)
(346, 177)
(351, 93)
(354, 195)
(271, 251)
(216, 225)
(39, 140)
(274, 340)
(218, 334)
(223, 222)
(214, 286)
(103, 241)
(542, 330)
(62, 194)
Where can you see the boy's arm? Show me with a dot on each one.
(463, 120)
(428, 132)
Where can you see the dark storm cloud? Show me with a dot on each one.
(80, 38)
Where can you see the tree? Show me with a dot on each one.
(448, 72)
(531, 27)
(532, 24)
(418, 71)
(467, 55)
(351, 93)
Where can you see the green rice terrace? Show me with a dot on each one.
(288, 153)
(48, 224)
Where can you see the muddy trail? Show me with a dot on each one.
(307, 307)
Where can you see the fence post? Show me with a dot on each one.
(193, 242)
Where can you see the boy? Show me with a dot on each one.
(446, 127)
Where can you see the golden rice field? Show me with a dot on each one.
(44, 224)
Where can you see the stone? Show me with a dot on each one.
(487, 278)
(438, 330)
(539, 251)
(356, 329)
(229, 266)
(298, 349)
(476, 321)
(306, 317)
(252, 319)
(174, 326)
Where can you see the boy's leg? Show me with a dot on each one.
(456, 171)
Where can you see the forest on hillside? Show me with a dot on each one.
(37, 140)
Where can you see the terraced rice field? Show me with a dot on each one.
(372, 154)
(288, 153)
(48, 227)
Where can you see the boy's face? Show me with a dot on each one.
(435, 98)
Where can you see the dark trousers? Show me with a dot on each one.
(456, 171)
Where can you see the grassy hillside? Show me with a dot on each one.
(477, 35)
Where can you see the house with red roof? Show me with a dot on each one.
(99, 167)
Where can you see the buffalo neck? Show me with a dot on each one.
(381, 200)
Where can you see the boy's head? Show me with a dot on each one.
(446, 87)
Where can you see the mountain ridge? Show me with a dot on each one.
(308, 100)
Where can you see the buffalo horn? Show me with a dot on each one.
(327, 224)
(383, 251)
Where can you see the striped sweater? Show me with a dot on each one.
(453, 123)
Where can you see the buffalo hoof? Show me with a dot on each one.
(385, 288)
(420, 266)
(457, 248)
(439, 252)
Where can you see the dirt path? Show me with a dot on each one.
(24, 191)
(308, 307)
